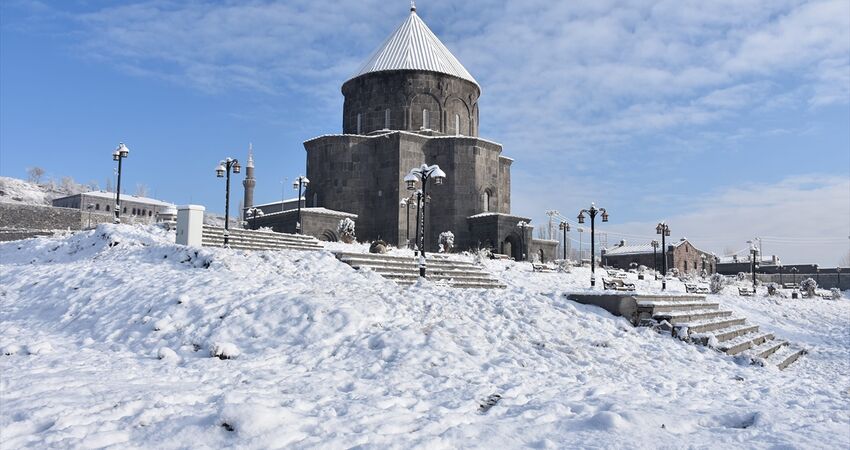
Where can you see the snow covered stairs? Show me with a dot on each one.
(404, 270)
(702, 321)
(258, 240)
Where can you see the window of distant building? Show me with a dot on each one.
(107, 207)
(150, 213)
(486, 201)
(97, 206)
(457, 124)
(426, 119)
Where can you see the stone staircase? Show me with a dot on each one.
(404, 270)
(701, 321)
(258, 240)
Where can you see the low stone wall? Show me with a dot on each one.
(37, 217)
(825, 280)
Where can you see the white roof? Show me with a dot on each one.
(125, 197)
(413, 46)
(630, 250)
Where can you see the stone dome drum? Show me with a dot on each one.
(412, 82)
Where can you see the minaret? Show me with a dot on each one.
(249, 181)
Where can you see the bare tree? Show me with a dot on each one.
(35, 174)
(109, 185)
(845, 260)
(141, 190)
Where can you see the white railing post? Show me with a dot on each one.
(190, 224)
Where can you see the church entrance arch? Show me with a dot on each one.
(512, 247)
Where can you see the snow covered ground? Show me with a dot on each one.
(107, 338)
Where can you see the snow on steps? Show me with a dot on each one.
(703, 322)
(258, 240)
(404, 270)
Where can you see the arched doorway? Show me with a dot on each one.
(512, 247)
(540, 256)
(328, 236)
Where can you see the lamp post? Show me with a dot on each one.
(119, 154)
(422, 174)
(254, 212)
(300, 183)
(838, 276)
(779, 267)
(794, 271)
(592, 212)
(227, 166)
(755, 251)
(565, 227)
(522, 225)
(664, 230)
(817, 274)
(654, 245)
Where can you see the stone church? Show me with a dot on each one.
(413, 102)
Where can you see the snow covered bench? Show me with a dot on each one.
(536, 267)
(745, 292)
(617, 284)
(692, 288)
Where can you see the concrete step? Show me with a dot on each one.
(460, 285)
(744, 342)
(706, 326)
(785, 356)
(235, 243)
(262, 237)
(688, 317)
(765, 349)
(369, 258)
(725, 334)
(664, 298)
(437, 276)
(660, 307)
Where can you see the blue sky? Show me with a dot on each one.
(728, 119)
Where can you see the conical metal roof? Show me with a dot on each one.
(413, 46)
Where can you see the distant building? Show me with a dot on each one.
(133, 208)
(681, 255)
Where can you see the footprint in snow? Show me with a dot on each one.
(488, 403)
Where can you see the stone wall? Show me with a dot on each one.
(37, 217)
(688, 259)
(317, 222)
(825, 280)
(402, 96)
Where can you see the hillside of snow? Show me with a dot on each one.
(119, 337)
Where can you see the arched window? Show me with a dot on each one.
(426, 122)
(359, 123)
(485, 205)
(457, 124)
(387, 118)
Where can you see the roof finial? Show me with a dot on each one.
(412, 6)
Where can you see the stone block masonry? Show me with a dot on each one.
(37, 217)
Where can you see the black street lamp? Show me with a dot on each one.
(779, 267)
(254, 212)
(565, 227)
(654, 245)
(592, 212)
(226, 167)
(664, 230)
(755, 265)
(794, 270)
(422, 174)
(522, 225)
(300, 183)
(119, 154)
(838, 275)
(817, 274)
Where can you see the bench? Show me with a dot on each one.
(617, 284)
(500, 256)
(745, 292)
(542, 268)
(692, 288)
(790, 286)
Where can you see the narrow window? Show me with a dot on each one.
(316, 197)
(426, 123)
(150, 213)
(457, 124)
(359, 122)
(486, 205)
(107, 207)
(387, 118)
(97, 206)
